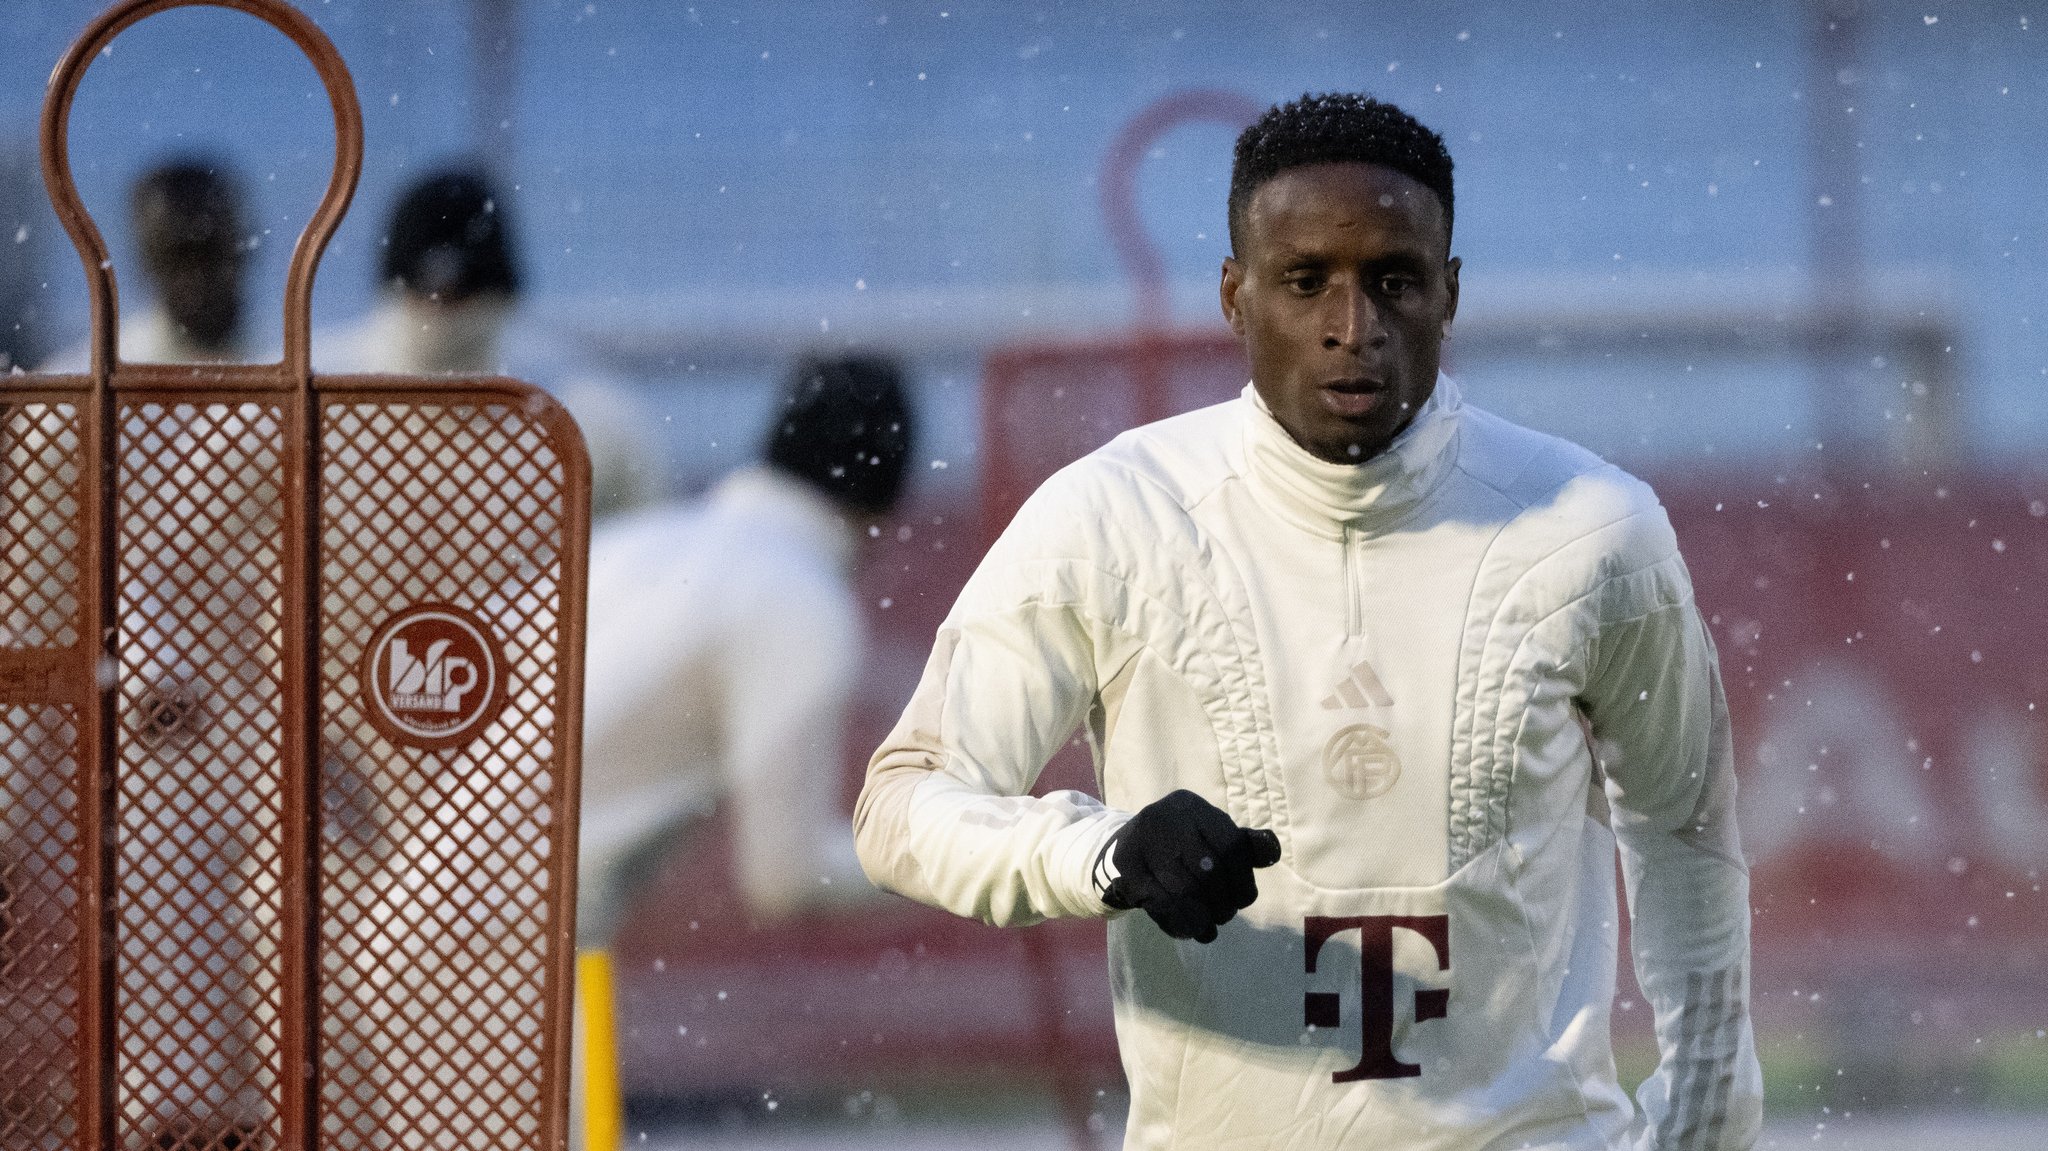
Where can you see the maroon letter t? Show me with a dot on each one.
(1376, 986)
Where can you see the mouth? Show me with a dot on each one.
(1353, 397)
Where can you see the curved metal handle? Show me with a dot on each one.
(85, 236)
(1140, 255)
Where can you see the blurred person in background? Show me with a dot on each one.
(186, 653)
(189, 219)
(188, 216)
(1377, 682)
(724, 643)
(450, 304)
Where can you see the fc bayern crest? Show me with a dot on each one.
(1360, 763)
(433, 676)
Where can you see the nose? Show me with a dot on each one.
(1353, 323)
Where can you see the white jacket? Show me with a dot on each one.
(724, 640)
(1450, 679)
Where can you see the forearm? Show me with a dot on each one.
(945, 816)
(1689, 930)
(1002, 859)
(1688, 910)
(1673, 791)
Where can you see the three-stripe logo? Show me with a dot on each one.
(1358, 761)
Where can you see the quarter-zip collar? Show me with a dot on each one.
(1327, 498)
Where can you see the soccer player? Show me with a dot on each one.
(725, 643)
(1376, 683)
(450, 303)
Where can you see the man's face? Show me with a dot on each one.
(1342, 292)
(201, 291)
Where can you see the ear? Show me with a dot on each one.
(1451, 267)
(1233, 278)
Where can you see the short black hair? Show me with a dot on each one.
(187, 207)
(844, 427)
(1336, 128)
(450, 238)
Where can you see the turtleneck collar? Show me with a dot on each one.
(428, 339)
(1373, 496)
(763, 493)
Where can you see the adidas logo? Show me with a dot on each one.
(1361, 689)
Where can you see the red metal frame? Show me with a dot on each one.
(248, 869)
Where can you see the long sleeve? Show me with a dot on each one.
(790, 655)
(1660, 728)
(723, 645)
(944, 817)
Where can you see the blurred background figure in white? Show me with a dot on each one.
(724, 641)
(450, 304)
(189, 219)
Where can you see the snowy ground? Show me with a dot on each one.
(1910, 1132)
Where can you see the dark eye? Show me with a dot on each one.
(1395, 287)
(1303, 283)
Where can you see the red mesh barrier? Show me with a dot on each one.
(41, 498)
(441, 874)
(289, 703)
(201, 728)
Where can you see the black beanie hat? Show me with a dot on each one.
(844, 428)
(450, 239)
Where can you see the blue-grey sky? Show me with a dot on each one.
(666, 153)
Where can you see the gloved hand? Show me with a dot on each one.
(1187, 865)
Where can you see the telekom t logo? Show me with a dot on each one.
(1375, 985)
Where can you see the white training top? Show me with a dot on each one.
(724, 641)
(1450, 679)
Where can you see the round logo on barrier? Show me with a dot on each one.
(433, 676)
(1360, 763)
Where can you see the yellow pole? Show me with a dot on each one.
(604, 1118)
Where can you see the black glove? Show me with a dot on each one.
(1183, 861)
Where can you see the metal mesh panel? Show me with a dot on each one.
(437, 928)
(241, 906)
(40, 504)
(201, 576)
(38, 931)
(442, 979)
(39, 549)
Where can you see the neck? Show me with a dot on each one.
(1322, 495)
(452, 338)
